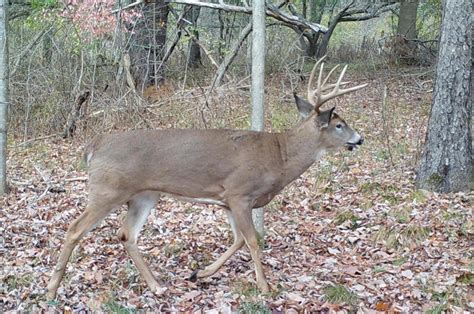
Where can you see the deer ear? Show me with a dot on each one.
(324, 118)
(304, 107)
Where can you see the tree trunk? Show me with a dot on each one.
(446, 164)
(258, 78)
(323, 46)
(4, 97)
(311, 44)
(407, 19)
(304, 11)
(194, 56)
(404, 46)
(316, 11)
(149, 45)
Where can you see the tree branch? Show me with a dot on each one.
(27, 49)
(367, 12)
(272, 11)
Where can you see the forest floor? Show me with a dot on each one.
(353, 234)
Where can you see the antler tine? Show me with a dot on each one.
(331, 86)
(316, 96)
(329, 75)
(310, 82)
(339, 80)
(317, 91)
(337, 91)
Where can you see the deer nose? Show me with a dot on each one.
(360, 141)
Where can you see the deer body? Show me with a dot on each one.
(224, 164)
(236, 169)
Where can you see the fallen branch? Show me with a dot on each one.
(207, 53)
(75, 114)
(80, 179)
(36, 139)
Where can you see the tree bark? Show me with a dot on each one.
(446, 164)
(194, 56)
(407, 19)
(4, 95)
(258, 86)
(149, 45)
(304, 10)
(404, 44)
(315, 15)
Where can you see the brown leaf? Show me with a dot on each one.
(382, 306)
(191, 294)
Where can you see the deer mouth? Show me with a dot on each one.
(351, 146)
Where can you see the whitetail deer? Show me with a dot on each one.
(239, 170)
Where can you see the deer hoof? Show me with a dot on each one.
(193, 277)
(50, 295)
(160, 290)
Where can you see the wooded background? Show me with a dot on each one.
(59, 52)
(388, 228)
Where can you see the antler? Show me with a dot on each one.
(316, 96)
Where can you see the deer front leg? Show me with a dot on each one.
(214, 267)
(243, 220)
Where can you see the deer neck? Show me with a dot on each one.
(303, 146)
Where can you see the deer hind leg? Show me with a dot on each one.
(214, 267)
(138, 210)
(94, 213)
(243, 220)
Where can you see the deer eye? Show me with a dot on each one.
(339, 126)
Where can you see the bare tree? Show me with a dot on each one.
(258, 84)
(316, 10)
(148, 48)
(316, 44)
(4, 98)
(446, 165)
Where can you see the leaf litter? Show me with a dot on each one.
(351, 235)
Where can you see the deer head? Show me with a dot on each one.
(334, 131)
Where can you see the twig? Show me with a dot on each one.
(230, 57)
(37, 139)
(171, 48)
(46, 180)
(131, 5)
(27, 50)
(76, 179)
(206, 52)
